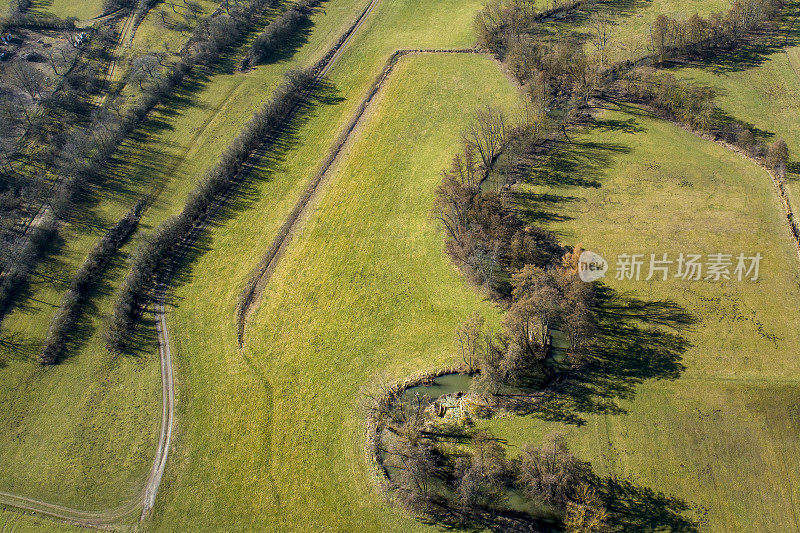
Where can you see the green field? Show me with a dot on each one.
(763, 91)
(83, 433)
(703, 412)
(18, 522)
(271, 437)
(81, 9)
(365, 289)
(167, 155)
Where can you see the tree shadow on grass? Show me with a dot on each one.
(51, 268)
(244, 194)
(579, 164)
(286, 50)
(630, 507)
(633, 507)
(85, 327)
(636, 341)
(575, 22)
(15, 347)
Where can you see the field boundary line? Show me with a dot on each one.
(779, 185)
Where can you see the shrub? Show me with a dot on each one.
(778, 156)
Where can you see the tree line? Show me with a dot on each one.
(694, 106)
(78, 155)
(152, 255)
(559, 69)
(262, 129)
(484, 234)
(64, 321)
(467, 486)
(671, 36)
(278, 32)
(535, 277)
(518, 355)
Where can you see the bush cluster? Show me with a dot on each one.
(672, 36)
(502, 22)
(470, 487)
(483, 231)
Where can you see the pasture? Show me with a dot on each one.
(692, 395)
(84, 432)
(696, 396)
(82, 10)
(364, 293)
(763, 90)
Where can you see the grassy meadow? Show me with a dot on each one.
(271, 437)
(695, 397)
(164, 29)
(83, 433)
(763, 90)
(81, 9)
(363, 293)
(18, 522)
(170, 32)
(92, 396)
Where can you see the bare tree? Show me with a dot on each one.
(586, 513)
(28, 79)
(778, 156)
(144, 68)
(480, 477)
(486, 134)
(601, 27)
(659, 35)
(551, 473)
(468, 336)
